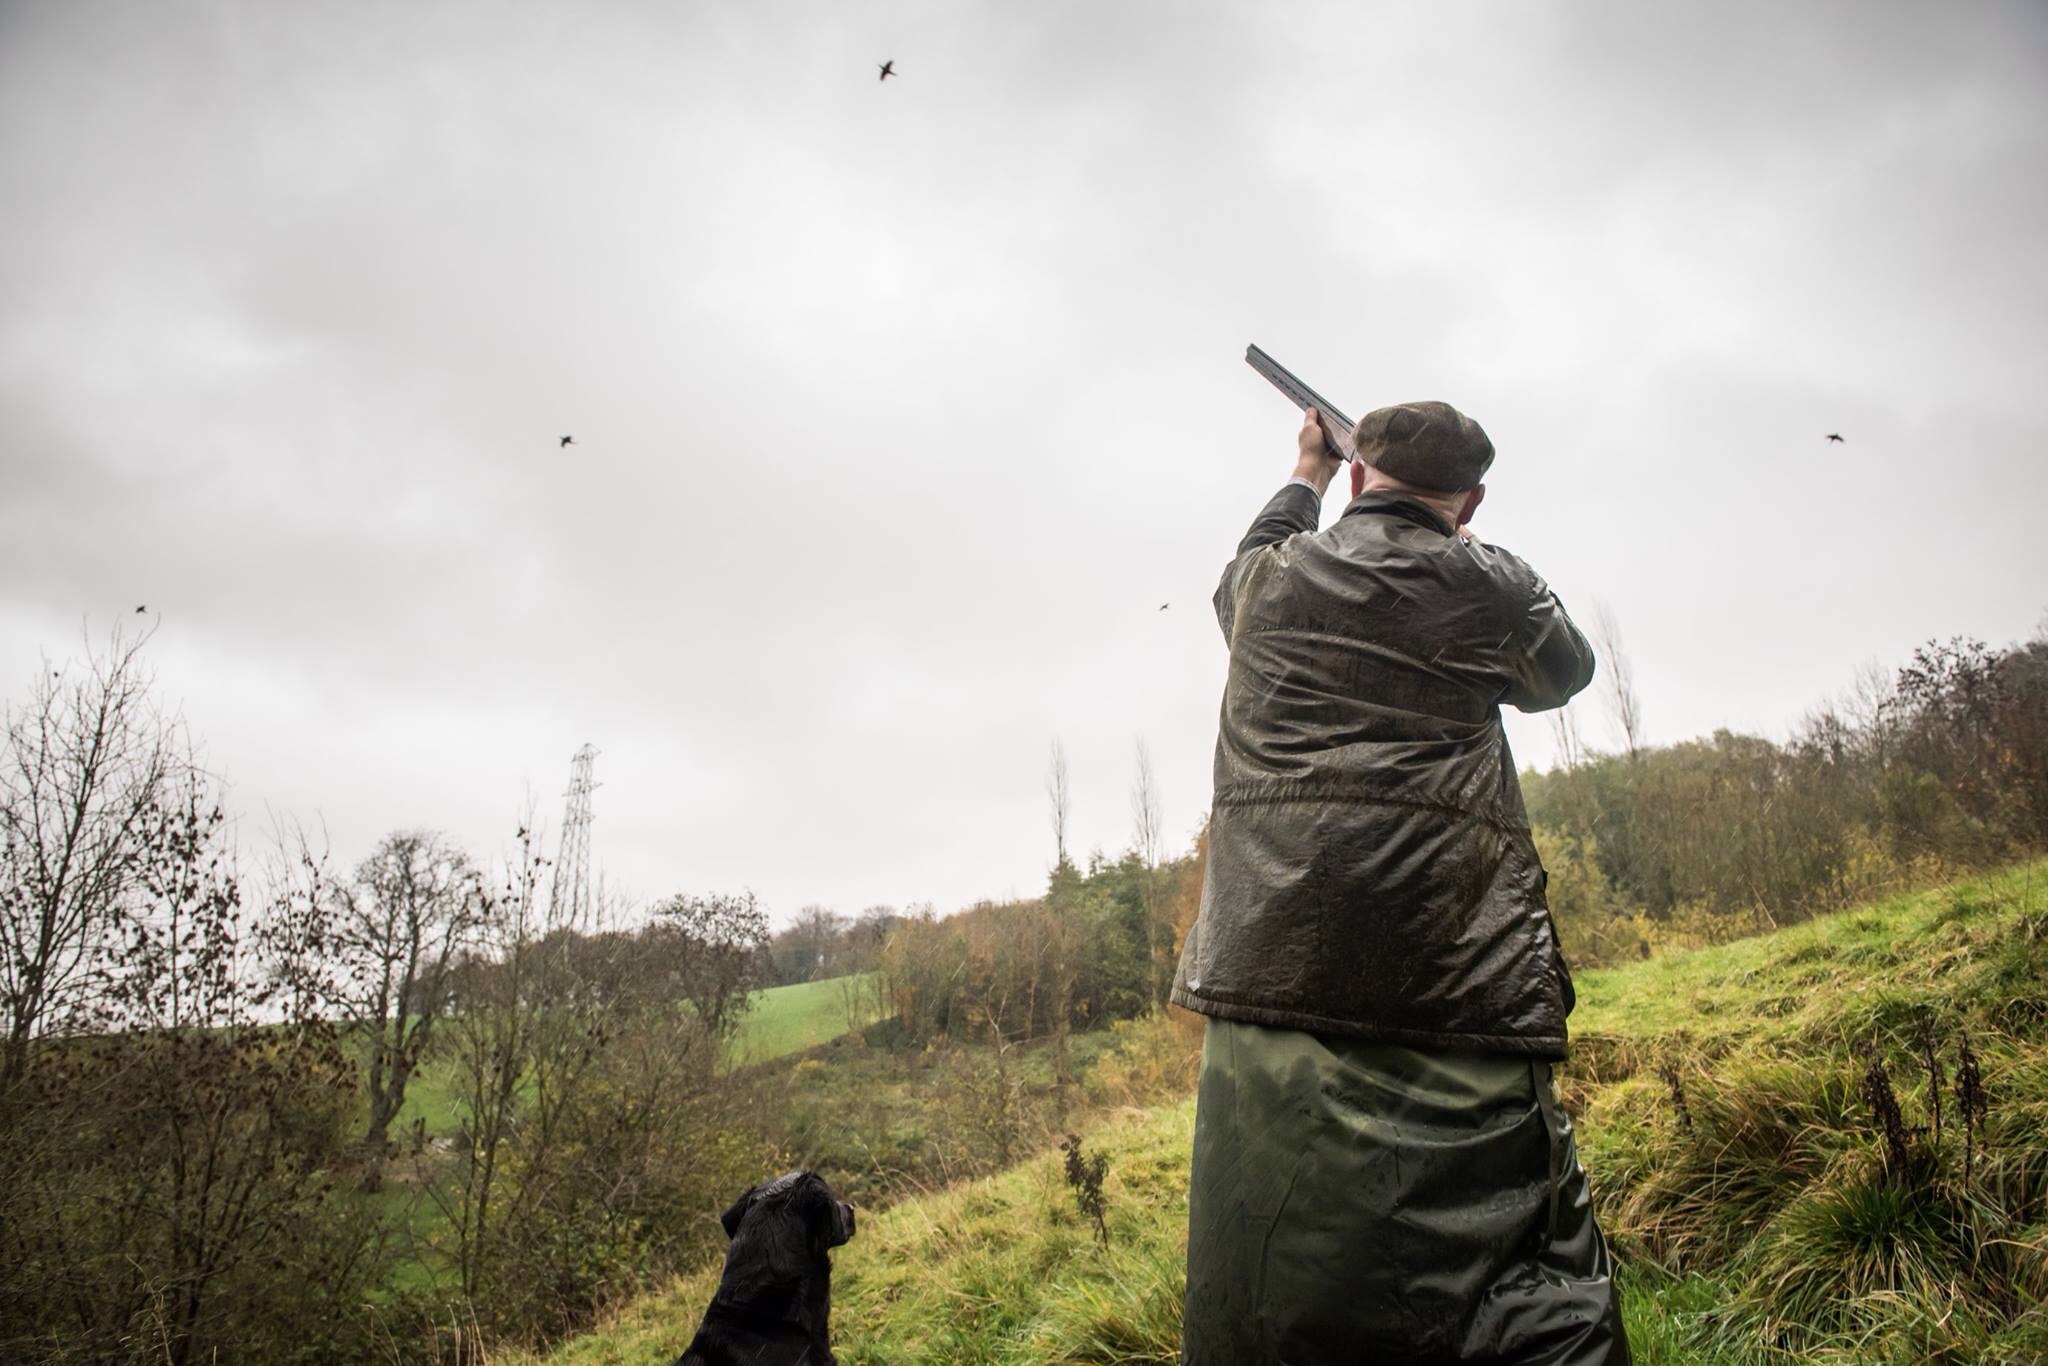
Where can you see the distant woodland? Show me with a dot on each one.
(1938, 768)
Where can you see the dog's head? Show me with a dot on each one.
(780, 1231)
(793, 1201)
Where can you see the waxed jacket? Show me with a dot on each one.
(1370, 868)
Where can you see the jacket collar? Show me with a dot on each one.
(1388, 503)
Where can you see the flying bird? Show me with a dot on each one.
(568, 441)
(142, 609)
(1835, 436)
(888, 70)
(1164, 605)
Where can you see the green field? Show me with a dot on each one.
(779, 1021)
(1762, 1226)
(432, 1093)
(784, 1020)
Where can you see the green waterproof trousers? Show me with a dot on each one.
(1363, 1202)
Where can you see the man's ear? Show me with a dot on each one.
(1472, 501)
(731, 1218)
(1357, 477)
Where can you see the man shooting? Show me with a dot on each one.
(1381, 1169)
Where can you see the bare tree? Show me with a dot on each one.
(1056, 793)
(866, 935)
(87, 760)
(1145, 823)
(1621, 681)
(592, 1104)
(1564, 732)
(1059, 908)
(994, 1099)
(166, 1183)
(513, 989)
(715, 951)
(400, 929)
(816, 934)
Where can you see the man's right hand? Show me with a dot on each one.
(1313, 460)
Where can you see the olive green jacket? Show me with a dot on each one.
(1370, 868)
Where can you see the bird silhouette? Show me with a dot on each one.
(888, 70)
(1835, 436)
(568, 441)
(1164, 605)
(142, 609)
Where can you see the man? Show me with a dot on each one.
(1381, 1169)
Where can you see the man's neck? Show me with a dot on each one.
(1445, 505)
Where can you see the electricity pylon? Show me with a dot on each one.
(569, 898)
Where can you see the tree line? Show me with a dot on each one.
(1935, 768)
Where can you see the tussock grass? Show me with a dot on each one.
(1779, 1189)
(1766, 1227)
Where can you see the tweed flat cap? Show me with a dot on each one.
(1430, 445)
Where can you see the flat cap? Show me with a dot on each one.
(1430, 445)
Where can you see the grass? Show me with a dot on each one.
(1763, 1228)
(785, 1020)
(432, 1093)
(1775, 1183)
(886, 1122)
(1775, 986)
(997, 1269)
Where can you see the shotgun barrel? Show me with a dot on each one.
(1336, 426)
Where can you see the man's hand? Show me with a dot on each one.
(1313, 460)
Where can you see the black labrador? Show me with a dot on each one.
(775, 1298)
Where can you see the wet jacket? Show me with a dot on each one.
(1370, 868)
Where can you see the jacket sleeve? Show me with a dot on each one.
(1552, 659)
(1295, 508)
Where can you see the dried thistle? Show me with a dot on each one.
(1084, 1175)
(1676, 1085)
(1889, 1122)
(1972, 1104)
(1924, 1032)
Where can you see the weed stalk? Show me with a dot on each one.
(1972, 1104)
(1084, 1175)
(1888, 1120)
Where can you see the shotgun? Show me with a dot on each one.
(1336, 426)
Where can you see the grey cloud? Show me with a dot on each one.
(900, 409)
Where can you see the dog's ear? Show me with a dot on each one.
(767, 1258)
(731, 1218)
(826, 1218)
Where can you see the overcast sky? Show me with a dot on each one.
(900, 408)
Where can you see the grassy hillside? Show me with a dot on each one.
(784, 1020)
(1725, 1115)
